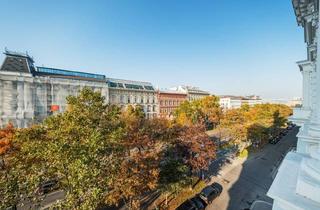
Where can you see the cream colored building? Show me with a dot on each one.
(297, 184)
(125, 92)
(235, 102)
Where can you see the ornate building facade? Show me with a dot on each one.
(28, 94)
(125, 92)
(168, 101)
(297, 184)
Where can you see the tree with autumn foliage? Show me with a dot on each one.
(136, 175)
(99, 155)
(254, 124)
(202, 111)
(137, 170)
(234, 123)
(6, 136)
(8, 184)
(75, 147)
(196, 148)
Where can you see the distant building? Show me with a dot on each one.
(234, 102)
(29, 94)
(125, 92)
(168, 101)
(295, 102)
(193, 93)
(230, 102)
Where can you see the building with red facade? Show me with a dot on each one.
(168, 101)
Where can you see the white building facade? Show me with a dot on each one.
(235, 102)
(230, 102)
(128, 92)
(28, 94)
(297, 184)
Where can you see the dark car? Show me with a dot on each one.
(201, 204)
(195, 203)
(217, 186)
(209, 193)
(275, 140)
(283, 133)
(48, 186)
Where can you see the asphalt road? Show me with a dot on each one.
(47, 200)
(250, 180)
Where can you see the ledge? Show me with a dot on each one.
(283, 188)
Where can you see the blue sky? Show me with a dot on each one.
(227, 47)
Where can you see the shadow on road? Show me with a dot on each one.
(256, 174)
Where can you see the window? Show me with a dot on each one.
(112, 84)
(148, 87)
(113, 98)
(132, 86)
(69, 73)
(122, 99)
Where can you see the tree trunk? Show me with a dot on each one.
(166, 199)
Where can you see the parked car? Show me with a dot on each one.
(291, 125)
(217, 186)
(283, 132)
(48, 186)
(209, 193)
(275, 140)
(195, 203)
(201, 204)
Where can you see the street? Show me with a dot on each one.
(247, 180)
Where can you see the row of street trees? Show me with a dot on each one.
(257, 124)
(241, 126)
(100, 155)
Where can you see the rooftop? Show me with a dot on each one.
(251, 97)
(129, 84)
(17, 62)
(189, 89)
(166, 91)
(18, 54)
(68, 73)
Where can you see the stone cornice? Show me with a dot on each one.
(306, 65)
(305, 11)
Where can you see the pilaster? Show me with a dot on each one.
(308, 182)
